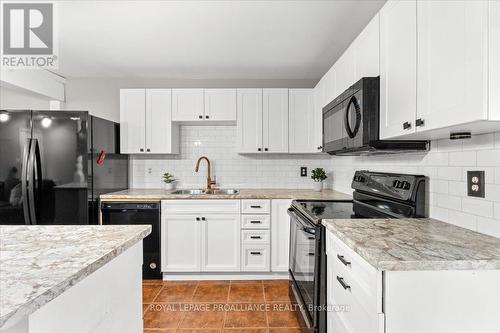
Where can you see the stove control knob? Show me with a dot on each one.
(406, 185)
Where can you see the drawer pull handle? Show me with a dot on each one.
(256, 222)
(310, 253)
(311, 238)
(255, 206)
(255, 253)
(255, 237)
(343, 284)
(342, 260)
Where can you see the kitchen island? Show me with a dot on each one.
(71, 278)
(411, 275)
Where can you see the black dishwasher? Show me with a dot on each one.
(118, 213)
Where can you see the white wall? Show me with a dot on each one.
(446, 166)
(230, 169)
(17, 99)
(100, 96)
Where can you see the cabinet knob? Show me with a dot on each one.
(207, 117)
(148, 150)
(141, 149)
(419, 122)
(203, 219)
(406, 125)
(197, 219)
(259, 149)
(319, 147)
(200, 117)
(265, 149)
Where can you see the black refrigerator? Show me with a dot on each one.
(55, 164)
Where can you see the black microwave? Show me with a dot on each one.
(351, 123)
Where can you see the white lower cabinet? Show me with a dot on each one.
(197, 241)
(362, 299)
(220, 243)
(280, 235)
(180, 243)
(255, 258)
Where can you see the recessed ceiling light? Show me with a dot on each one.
(46, 122)
(4, 117)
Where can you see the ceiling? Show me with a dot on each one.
(268, 39)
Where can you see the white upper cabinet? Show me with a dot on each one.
(398, 68)
(249, 120)
(494, 57)
(303, 124)
(187, 104)
(344, 73)
(146, 122)
(220, 104)
(452, 63)
(275, 120)
(366, 50)
(162, 136)
(132, 121)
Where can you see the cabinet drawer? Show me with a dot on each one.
(255, 206)
(255, 221)
(255, 236)
(200, 206)
(355, 318)
(255, 258)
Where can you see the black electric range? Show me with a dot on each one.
(376, 195)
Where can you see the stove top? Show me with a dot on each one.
(318, 210)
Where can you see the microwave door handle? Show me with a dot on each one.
(24, 181)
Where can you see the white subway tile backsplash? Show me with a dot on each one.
(446, 167)
(488, 226)
(229, 168)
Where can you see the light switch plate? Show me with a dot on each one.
(303, 171)
(475, 184)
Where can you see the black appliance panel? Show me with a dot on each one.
(15, 142)
(117, 213)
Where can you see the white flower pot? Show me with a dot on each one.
(169, 186)
(318, 186)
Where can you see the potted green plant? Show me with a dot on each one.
(318, 175)
(169, 180)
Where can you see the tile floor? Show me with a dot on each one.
(216, 306)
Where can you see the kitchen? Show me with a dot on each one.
(335, 169)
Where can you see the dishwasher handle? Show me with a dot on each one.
(130, 207)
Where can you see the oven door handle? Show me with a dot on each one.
(304, 227)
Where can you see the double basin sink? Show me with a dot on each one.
(205, 192)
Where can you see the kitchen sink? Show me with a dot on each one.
(200, 191)
(192, 192)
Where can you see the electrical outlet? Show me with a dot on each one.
(303, 171)
(475, 184)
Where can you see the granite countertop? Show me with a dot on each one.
(263, 193)
(38, 263)
(417, 244)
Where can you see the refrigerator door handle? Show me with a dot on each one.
(32, 179)
(37, 182)
(24, 181)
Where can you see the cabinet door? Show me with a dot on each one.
(220, 104)
(494, 68)
(302, 126)
(398, 68)
(249, 120)
(452, 62)
(180, 243)
(280, 235)
(187, 104)
(132, 121)
(344, 72)
(161, 134)
(220, 243)
(366, 50)
(275, 120)
(318, 117)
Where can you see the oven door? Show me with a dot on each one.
(304, 265)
